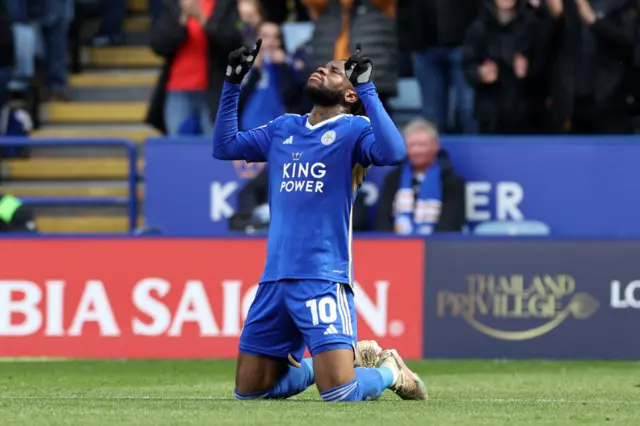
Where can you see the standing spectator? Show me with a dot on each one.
(502, 63)
(433, 31)
(24, 33)
(113, 11)
(251, 15)
(424, 195)
(195, 37)
(592, 56)
(342, 24)
(56, 18)
(279, 11)
(264, 95)
(6, 52)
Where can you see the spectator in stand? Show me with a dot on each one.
(195, 37)
(592, 56)
(15, 216)
(6, 52)
(56, 18)
(341, 24)
(433, 31)
(113, 11)
(251, 15)
(22, 19)
(264, 94)
(280, 11)
(502, 62)
(424, 195)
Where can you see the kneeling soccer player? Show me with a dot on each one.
(305, 298)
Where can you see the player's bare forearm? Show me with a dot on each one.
(226, 126)
(389, 148)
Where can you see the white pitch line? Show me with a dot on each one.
(216, 398)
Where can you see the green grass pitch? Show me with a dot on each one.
(463, 393)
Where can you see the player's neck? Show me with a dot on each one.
(320, 114)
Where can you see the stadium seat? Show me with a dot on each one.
(512, 228)
(409, 96)
(295, 34)
(90, 224)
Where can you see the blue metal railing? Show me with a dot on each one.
(131, 201)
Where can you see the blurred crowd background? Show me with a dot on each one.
(135, 69)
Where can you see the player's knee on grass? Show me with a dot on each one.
(333, 368)
(258, 374)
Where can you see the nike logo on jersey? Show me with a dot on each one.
(288, 141)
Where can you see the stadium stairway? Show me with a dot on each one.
(108, 100)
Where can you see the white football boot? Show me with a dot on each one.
(367, 354)
(406, 384)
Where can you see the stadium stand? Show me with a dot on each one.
(108, 100)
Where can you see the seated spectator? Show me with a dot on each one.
(195, 37)
(265, 90)
(253, 206)
(424, 195)
(592, 51)
(501, 62)
(15, 216)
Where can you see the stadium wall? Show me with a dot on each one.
(441, 297)
(575, 185)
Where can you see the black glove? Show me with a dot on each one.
(358, 67)
(240, 62)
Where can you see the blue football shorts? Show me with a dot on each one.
(289, 315)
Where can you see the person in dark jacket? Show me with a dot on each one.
(424, 195)
(6, 52)
(502, 61)
(265, 91)
(195, 39)
(341, 24)
(433, 32)
(254, 196)
(592, 55)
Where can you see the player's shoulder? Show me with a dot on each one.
(358, 120)
(286, 119)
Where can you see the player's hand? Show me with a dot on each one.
(358, 67)
(240, 62)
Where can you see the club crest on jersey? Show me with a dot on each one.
(296, 156)
(328, 138)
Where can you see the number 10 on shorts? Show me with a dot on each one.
(323, 311)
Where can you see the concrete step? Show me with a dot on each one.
(89, 224)
(121, 57)
(68, 168)
(94, 112)
(138, 6)
(137, 133)
(111, 94)
(70, 189)
(114, 79)
(140, 23)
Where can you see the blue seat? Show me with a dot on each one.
(512, 228)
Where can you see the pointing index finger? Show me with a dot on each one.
(358, 47)
(256, 48)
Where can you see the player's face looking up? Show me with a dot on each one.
(329, 86)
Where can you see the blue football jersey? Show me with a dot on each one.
(314, 173)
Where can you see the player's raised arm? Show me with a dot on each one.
(383, 146)
(228, 143)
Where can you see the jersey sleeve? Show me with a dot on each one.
(379, 142)
(228, 143)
